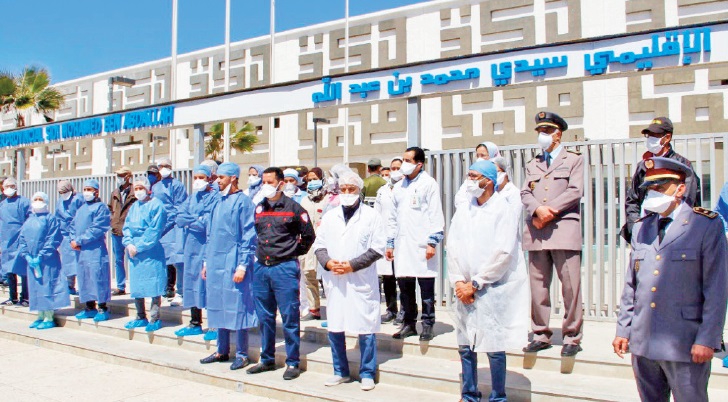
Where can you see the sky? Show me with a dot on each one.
(76, 38)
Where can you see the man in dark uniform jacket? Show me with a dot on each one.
(657, 137)
(284, 233)
(673, 306)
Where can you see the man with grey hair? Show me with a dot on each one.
(69, 201)
(213, 168)
(173, 194)
(14, 210)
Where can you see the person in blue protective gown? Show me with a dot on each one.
(229, 253)
(722, 207)
(142, 231)
(14, 210)
(88, 238)
(40, 237)
(69, 201)
(173, 194)
(192, 219)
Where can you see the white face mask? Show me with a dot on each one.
(268, 191)
(656, 201)
(226, 190)
(407, 168)
(165, 172)
(348, 200)
(545, 141)
(141, 195)
(500, 179)
(39, 206)
(481, 159)
(199, 184)
(89, 195)
(395, 176)
(9, 192)
(653, 144)
(120, 181)
(473, 188)
(253, 181)
(289, 189)
(66, 196)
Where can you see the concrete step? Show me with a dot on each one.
(179, 363)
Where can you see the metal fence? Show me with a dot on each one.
(608, 169)
(608, 172)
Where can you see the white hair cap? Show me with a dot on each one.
(142, 181)
(10, 181)
(338, 170)
(502, 164)
(350, 178)
(211, 163)
(164, 161)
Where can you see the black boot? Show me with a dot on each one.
(405, 331)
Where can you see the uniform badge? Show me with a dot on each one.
(532, 185)
(304, 217)
(649, 163)
(541, 115)
(259, 209)
(705, 212)
(656, 121)
(637, 266)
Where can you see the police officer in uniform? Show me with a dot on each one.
(551, 193)
(657, 141)
(674, 300)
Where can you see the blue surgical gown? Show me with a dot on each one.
(143, 228)
(192, 219)
(13, 213)
(65, 211)
(40, 237)
(231, 242)
(88, 229)
(722, 206)
(172, 193)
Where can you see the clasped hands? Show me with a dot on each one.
(339, 267)
(543, 215)
(465, 292)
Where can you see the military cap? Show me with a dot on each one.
(662, 170)
(551, 120)
(659, 125)
(153, 169)
(374, 162)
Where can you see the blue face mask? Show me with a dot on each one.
(152, 178)
(314, 185)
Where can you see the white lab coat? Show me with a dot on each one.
(484, 245)
(384, 205)
(512, 194)
(416, 215)
(353, 299)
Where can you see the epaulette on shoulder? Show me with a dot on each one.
(705, 212)
(645, 217)
(571, 151)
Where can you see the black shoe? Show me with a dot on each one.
(427, 334)
(291, 373)
(261, 368)
(169, 294)
(536, 346)
(405, 331)
(215, 358)
(311, 317)
(23, 303)
(389, 317)
(239, 363)
(570, 350)
(400, 318)
(8, 302)
(118, 292)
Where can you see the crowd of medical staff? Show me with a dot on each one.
(293, 235)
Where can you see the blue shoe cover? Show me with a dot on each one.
(725, 361)
(325, 324)
(86, 314)
(136, 324)
(102, 316)
(154, 326)
(189, 331)
(210, 335)
(46, 325)
(35, 324)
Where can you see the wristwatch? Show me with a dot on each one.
(475, 284)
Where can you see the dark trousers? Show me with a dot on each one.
(656, 379)
(408, 297)
(171, 278)
(91, 305)
(196, 316)
(13, 285)
(277, 287)
(389, 283)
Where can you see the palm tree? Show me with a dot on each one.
(241, 140)
(29, 90)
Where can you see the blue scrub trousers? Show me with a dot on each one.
(277, 287)
(368, 348)
(469, 361)
(119, 270)
(241, 342)
(12, 280)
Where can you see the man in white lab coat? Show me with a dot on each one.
(490, 280)
(348, 243)
(414, 229)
